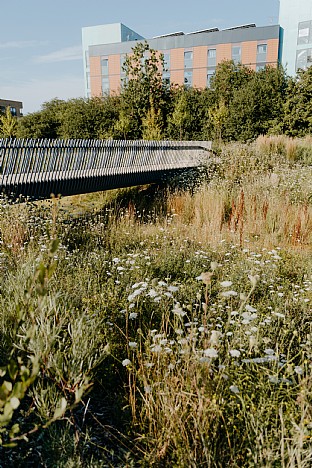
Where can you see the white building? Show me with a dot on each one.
(103, 34)
(295, 18)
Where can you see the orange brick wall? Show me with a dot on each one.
(114, 84)
(177, 77)
(200, 57)
(95, 66)
(177, 59)
(249, 53)
(224, 52)
(95, 76)
(272, 54)
(200, 66)
(96, 86)
(114, 64)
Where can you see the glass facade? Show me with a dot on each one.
(104, 66)
(188, 59)
(212, 57)
(304, 33)
(210, 74)
(236, 54)
(304, 59)
(105, 85)
(188, 78)
(296, 20)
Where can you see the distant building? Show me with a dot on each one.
(296, 21)
(189, 59)
(103, 34)
(15, 107)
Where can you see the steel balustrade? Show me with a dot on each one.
(37, 168)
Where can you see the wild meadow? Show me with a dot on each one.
(163, 326)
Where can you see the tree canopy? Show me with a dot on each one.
(240, 104)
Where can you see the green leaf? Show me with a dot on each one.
(54, 246)
(59, 412)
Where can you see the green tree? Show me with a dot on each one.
(298, 105)
(257, 107)
(229, 77)
(152, 125)
(180, 115)
(44, 123)
(89, 118)
(122, 126)
(218, 116)
(8, 124)
(144, 86)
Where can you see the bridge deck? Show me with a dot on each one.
(37, 168)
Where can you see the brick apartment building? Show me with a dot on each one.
(189, 59)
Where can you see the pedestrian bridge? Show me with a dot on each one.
(38, 168)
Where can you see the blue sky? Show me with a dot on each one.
(40, 40)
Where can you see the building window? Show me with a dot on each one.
(304, 33)
(166, 61)
(260, 66)
(304, 59)
(104, 66)
(188, 78)
(262, 53)
(236, 53)
(262, 48)
(212, 57)
(13, 111)
(105, 86)
(188, 59)
(210, 74)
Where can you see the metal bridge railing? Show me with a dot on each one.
(38, 167)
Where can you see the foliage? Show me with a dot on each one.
(240, 105)
(43, 124)
(218, 116)
(180, 115)
(257, 106)
(228, 78)
(188, 311)
(144, 87)
(18, 375)
(8, 124)
(298, 106)
(152, 125)
(91, 118)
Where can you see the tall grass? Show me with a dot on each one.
(174, 323)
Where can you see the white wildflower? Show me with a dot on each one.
(215, 337)
(226, 284)
(133, 344)
(229, 293)
(234, 389)
(249, 308)
(298, 370)
(211, 353)
(126, 362)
